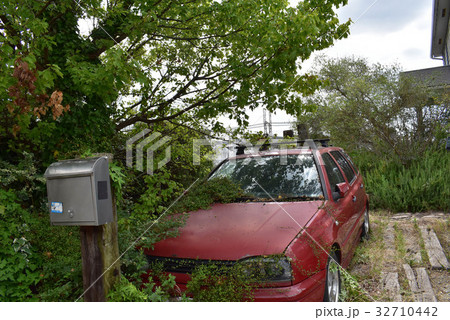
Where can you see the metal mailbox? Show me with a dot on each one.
(79, 192)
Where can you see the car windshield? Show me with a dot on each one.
(279, 177)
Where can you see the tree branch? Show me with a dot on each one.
(193, 129)
(11, 31)
(117, 40)
(40, 12)
(257, 64)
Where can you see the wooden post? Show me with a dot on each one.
(100, 256)
(109, 249)
(92, 263)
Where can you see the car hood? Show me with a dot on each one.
(237, 230)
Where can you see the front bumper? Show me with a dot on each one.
(308, 290)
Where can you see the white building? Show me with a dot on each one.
(439, 77)
(440, 41)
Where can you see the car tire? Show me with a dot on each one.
(365, 226)
(333, 279)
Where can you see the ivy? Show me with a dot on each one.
(18, 259)
(217, 190)
(126, 291)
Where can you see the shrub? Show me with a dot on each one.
(19, 261)
(126, 291)
(420, 186)
(38, 261)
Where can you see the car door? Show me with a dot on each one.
(356, 192)
(342, 209)
(353, 178)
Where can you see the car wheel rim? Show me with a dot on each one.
(333, 281)
(366, 222)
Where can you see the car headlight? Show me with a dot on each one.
(267, 269)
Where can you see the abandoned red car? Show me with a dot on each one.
(308, 212)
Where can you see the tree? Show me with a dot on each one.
(149, 61)
(370, 107)
(75, 76)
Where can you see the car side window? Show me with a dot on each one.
(355, 168)
(334, 174)
(348, 171)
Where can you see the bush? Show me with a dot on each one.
(126, 291)
(18, 260)
(60, 268)
(420, 186)
(38, 261)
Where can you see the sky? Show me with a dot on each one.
(383, 31)
(388, 31)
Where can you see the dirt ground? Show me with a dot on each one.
(395, 241)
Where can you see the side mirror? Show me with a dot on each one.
(342, 188)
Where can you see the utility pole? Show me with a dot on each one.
(267, 124)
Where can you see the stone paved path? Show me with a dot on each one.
(417, 269)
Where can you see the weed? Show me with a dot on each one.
(368, 263)
(126, 291)
(220, 283)
(351, 289)
(423, 251)
(400, 242)
(405, 289)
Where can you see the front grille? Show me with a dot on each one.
(182, 265)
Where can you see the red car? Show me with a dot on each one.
(309, 210)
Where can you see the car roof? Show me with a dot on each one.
(279, 152)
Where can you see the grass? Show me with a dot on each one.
(376, 248)
(405, 291)
(367, 265)
(352, 290)
(400, 242)
(423, 251)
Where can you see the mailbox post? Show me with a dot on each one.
(79, 193)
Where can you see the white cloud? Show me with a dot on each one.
(386, 32)
(377, 16)
(391, 31)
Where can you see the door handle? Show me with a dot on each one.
(354, 198)
(361, 186)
